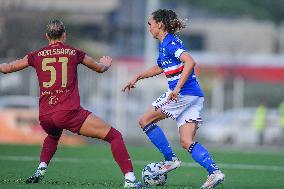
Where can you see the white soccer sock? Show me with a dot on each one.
(130, 176)
(42, 164)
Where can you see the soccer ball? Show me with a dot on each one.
(149, 179)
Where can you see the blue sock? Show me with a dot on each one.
(158, 138)
(202, 156)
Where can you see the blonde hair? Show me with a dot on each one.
(55, 28)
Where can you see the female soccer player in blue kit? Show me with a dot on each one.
(182, 102)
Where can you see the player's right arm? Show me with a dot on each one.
(153, 71)
(14, 66)
(102, 66)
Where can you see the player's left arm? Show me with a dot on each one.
(14, 66)
(189, 64)
(100, 67)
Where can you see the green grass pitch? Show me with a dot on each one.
(93, 167)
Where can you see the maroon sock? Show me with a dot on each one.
(49, 148)
(119, 150)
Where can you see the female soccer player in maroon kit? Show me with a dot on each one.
(59, 103)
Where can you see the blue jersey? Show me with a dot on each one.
(170, 51)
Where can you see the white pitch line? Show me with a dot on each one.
(231, 166)
(140, 162)
(34, 158)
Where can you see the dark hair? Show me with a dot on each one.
(169, 19)
(55, 28)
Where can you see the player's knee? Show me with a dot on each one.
(117, 134)
(144, 121)
(112, 135)
(185, 143)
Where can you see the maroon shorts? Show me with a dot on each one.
(71, 120)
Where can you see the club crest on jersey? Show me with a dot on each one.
(52, 100)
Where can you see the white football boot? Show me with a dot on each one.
(134, 184)
(214, 179)
(167, 166)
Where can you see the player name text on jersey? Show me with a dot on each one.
(61, 51)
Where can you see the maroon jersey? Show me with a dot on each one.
(56, 67)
